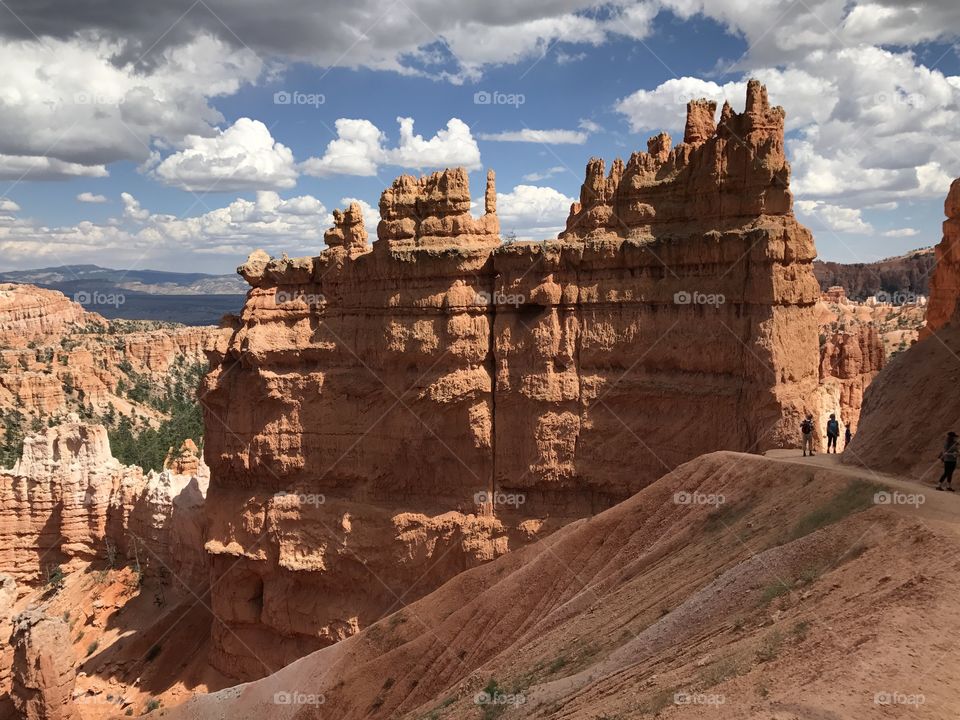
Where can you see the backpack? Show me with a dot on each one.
(806, 427)
(833, 427)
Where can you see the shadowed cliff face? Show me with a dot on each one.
(380, 418)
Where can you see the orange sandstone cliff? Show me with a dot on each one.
(945, 281)
(383, 416)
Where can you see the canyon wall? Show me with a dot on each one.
(69, 500)
(382, 417)
(849, 362)
(945, 282)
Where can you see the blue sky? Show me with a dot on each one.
(148, 127)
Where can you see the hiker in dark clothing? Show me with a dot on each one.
(833, 432)
(847, 437)
(949, 457)
(806, 429)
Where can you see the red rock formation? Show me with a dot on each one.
(835, 294)
(68, 497)
(945, 282)
(849, 361)
(434, 210)
(348, 230)
(55, 357)
(413, 411)
(44, 670)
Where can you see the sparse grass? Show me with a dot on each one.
(772, 591)
(800, 630)
(856, 496)
(152, 704)
(654, 704)
(92, 648)
(739, 624)
(558, 664)
(771, 647)
(718, 672)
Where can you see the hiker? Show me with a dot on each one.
(833, 432)
(949, 457)
(806, 429)
(847, 437)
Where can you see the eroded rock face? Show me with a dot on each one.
(348, 230)
(945, 281)
(44, 669)
(849, 361)
(402, 415)
(68, 498)
(433, 210)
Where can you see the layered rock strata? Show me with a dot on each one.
(44, 671)
(69, 499)
(945, 281)
(849, 362)
(381, 421)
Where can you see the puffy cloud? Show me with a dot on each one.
(131, 208)
(67, 108)
(8, 205)
(242, 157)
(89, 197)
(546, 137)
(833, 217)
(359, 149)
(294, 224)
(532, 212)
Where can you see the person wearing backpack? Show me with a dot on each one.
(949, 457)
(806, 429)
(833, 433)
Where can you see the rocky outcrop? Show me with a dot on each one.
(8, 597)
(348, 230)
(57, 358)
(849, 362)
(945, 282)
(36, 313)
(426, 406)
(69, 499)
(434, 210)
(44, 670)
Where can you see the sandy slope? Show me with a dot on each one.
(797, 597)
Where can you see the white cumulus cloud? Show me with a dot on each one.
(359, 149)
(244, 156)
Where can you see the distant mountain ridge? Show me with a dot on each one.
(908, 273)
(188, 298)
